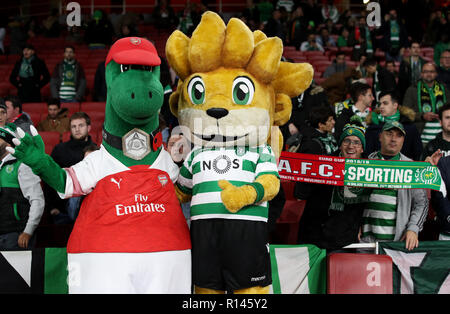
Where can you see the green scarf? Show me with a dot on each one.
(340, 106)
(395, 34)
(343, 195)
(69, 72)
(26, 70)
(396, 157)
(369, 45)
(329, 143)
(378, 118)
(430, 99)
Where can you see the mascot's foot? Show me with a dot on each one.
(253, 290)
(200, 290)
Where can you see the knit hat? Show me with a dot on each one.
(354, 128)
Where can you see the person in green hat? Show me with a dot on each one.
(99, 32)
(333, 214)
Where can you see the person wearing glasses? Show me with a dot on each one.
(333, 214)
(425, 98)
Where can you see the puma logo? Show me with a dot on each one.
(114, 181)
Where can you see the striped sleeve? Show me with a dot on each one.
(184, 182)
(266, 163)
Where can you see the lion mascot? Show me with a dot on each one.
(232, 95)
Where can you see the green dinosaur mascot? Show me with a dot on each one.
(131, 206)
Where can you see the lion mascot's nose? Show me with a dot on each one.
(217, 112)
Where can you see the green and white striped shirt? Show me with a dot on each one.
(204, 167)
(430, 130)
(379, 217)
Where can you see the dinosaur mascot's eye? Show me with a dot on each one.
(196, 90)
(243, 90)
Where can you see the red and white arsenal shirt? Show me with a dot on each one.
(128, 209)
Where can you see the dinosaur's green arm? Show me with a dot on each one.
(31, 151)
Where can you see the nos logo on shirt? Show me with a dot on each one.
(221, 164)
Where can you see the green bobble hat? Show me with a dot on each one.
(354, 128)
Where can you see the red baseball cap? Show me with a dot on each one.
(133, 50)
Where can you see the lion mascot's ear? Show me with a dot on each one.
(291, 80)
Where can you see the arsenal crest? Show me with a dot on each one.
(136, 144)
(163, 179)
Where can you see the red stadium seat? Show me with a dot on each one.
(358, 273)
(72, 106)
(320, 67)
(93, 106)
(314, 58)
(286, 229)
(51, 139)
(34, 107)
(35, 117)
(309, 54)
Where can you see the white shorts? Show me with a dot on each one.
(157, 272)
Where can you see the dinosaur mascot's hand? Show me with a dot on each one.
(30, 149)
(234, 197)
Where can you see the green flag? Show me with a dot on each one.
(423, 270)
(298, 269)
(36, 271)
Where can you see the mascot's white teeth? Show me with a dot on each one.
(219, 138)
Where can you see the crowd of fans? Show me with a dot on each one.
(392, 97)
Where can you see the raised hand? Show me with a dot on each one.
(29, 149)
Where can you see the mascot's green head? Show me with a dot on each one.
(135, 93)
(134, 99)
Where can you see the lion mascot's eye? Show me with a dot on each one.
(243, 90)
(196, 90)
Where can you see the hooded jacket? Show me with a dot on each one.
(60, 124)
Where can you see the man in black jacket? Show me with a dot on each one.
(359, 104)
(440, 203)
(410, 69)
(442, 140)
(67, 154)
(383, 80)
(29, 75)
